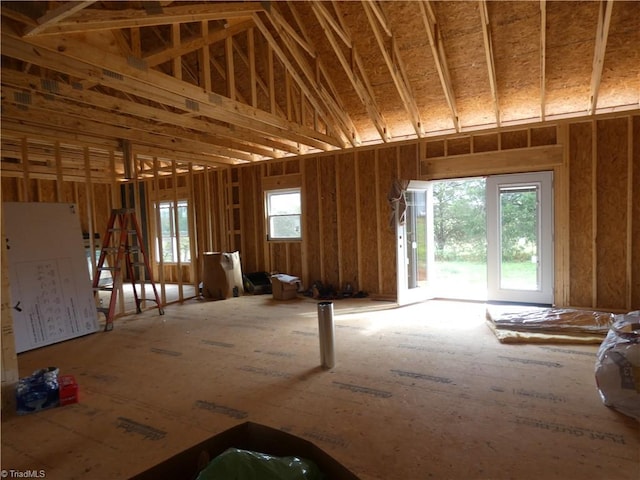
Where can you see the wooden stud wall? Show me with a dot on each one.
(347, 237)
(346, 234)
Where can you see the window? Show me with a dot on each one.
(170, 235)
(284, 214)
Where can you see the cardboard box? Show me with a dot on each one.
(284, 287)
(221, 275)
(247, 436)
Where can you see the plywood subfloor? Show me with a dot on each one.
(419, 392)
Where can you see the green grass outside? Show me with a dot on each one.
(471, 277)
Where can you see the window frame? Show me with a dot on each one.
(172, 205)
(268, 216)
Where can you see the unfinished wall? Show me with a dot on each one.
(604, 233)
(346, 237)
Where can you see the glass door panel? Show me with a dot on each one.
(519, 267)
(415, 244)
(520, 238)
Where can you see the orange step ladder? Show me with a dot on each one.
(122, 242)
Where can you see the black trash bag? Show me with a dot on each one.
(237, 464)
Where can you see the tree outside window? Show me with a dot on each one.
(175, 241)
(284, 214)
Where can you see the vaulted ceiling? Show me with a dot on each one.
(223, 83)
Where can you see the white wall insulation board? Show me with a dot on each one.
(51, 293)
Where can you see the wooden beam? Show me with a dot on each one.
(543, 58)
(70, 124)
(311, 95)
(56, 15)
(115, 72)
(330, 21)
(166, 53)
(403, 88)
(314, 94)
(253, 75)
(204, 59)
(358, 82)
(159, 118)
(103, 19)
(602, 34)
(503, 161)
(440, 59)
(488, 50)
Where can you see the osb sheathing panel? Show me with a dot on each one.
(251, 218)
(435, 149)
(278, 255)
(514, 139)
(515, 34)
(347, 218)
(294, 260)
(543, 136)
(612, 212)
(459, 146)
(619, 84)
(635, 226)
(387, 172)
(385, 92)
(485, 143)
(368, 220)
(336, 73)
(581, 214)
(464, 48)
(568, 67)
(311, 205)
(405, 20)
(408, 161)
(329, 219)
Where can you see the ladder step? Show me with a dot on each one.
(125, 223)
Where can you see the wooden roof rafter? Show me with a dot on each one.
(543, 58)
(312, 95)
(112, 71)
(330, 101)
(360, 82)
(488, 50)
(326, 86)
(602, 34)
(94, 19)
(168, 52)
(52, 17)
(437, 49)
(394, 62)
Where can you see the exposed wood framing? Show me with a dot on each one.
(602, 34)
(308, 72)
(56, 15)
(543, 56)
(437, 49)
(97, 19)
(359, 82)
(488, 49)
(374, 16)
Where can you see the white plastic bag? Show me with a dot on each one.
(618, 365)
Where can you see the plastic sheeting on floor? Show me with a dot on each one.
(548, 325)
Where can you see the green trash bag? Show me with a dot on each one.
(237, 464)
